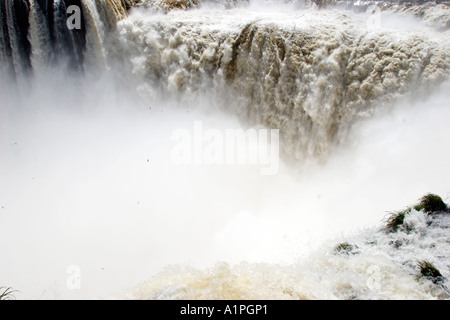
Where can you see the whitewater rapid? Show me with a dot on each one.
(87, 178)
(311, 73)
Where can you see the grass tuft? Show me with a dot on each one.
(7, 293)
(428, 271)
(346, 248)
(395, 220)
(431, 203)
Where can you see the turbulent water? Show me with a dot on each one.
(358, 91)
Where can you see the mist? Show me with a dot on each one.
(89, 188)
(88, 181)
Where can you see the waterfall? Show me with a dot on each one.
(35, 35)
(312, 73)
(15, 47)
(314, 83)
(133, 134)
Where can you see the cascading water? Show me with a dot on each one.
(14, 27)
(36, 35)
(86, 127)
(311, 76)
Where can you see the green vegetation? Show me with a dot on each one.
(395, 220)
(430, 203)
(428, 271)
(323, 3)
(6, 293)
(346, 248)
